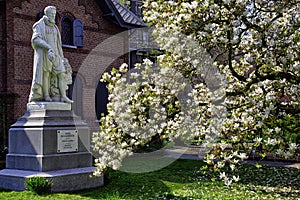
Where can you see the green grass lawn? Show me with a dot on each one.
(184, 180)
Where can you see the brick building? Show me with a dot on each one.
(93, 39)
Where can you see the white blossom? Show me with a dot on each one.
(234, 88)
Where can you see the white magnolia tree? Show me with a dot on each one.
(229, 76)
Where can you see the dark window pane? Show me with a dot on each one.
(101, 99)
(67, 31)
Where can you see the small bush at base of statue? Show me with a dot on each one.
(39, 185)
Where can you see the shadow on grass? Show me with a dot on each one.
(123, 185)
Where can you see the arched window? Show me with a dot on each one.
(72, 31)
(67, 30)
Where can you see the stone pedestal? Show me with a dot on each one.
(49, 140)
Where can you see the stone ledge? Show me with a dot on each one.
(48, 106)
(62, 180)
(45, 163)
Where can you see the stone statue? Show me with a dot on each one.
(51, 71)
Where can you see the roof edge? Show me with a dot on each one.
(120, 14)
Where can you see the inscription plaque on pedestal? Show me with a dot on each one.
(67, 141)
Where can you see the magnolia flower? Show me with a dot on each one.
(243, 156)
(235, 139)
(123, 68)
(147, 62)
(227, 158)
(220, 164)
(222, 175)
(277, 129)
(154, 4)
(116, 164)
(293, 146)
(236, 178)
(194, 4)
(258, 140)
(287, 154)
(227, 181)
(279, 152)
(124, 144)
(232, 167)
(235, 161)
(272, 142)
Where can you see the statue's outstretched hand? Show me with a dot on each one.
(51, 55)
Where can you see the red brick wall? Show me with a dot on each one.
(3, 129)
(2, 45)
(21, 15)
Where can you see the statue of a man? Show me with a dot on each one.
(49, 65)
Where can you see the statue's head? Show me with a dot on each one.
(50, 12)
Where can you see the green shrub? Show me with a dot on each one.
(38, 185)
